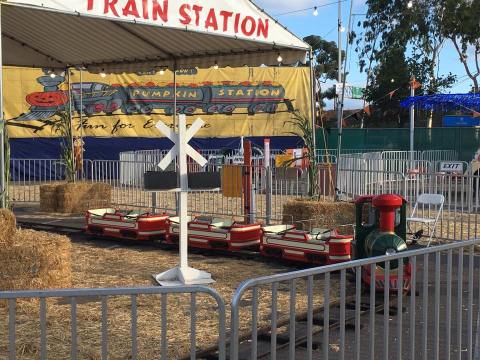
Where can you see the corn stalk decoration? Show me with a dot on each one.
(303, 129)
(63, 127)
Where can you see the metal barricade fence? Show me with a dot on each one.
(26, 176)
(334, 315)
(99, 303)
(439, 155)
(354, 183)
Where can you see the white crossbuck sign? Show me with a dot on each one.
(175, 138)
(182, 275)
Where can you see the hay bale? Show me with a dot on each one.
(100, 196)
(48, 198)
(70, 198)
(322, 214)
(7, 227)
(36, 260)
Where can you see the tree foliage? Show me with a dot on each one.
(421, 31)
(392, 74)
(462, 28)
(326, 63)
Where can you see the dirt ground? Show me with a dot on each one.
(103, 264)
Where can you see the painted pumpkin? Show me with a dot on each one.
(47, 99)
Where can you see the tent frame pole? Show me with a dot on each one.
(313, 103)
(3, 180)
(70, 123)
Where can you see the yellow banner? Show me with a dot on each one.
(232, 101)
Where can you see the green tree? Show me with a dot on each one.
(391, 25)
(326, 64)
(390, 75)
(462, 28)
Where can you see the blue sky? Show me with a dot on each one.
(325, 25)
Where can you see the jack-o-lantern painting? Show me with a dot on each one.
(48, 99)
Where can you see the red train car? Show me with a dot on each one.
(319, 246)
(132, 225)
(214, 233)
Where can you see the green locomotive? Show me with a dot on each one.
(381, 229)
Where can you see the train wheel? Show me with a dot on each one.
(168, 111)
(271, 108)
(112, 106)
(228, 109)
(253, 109)
(131, 109)
(146, 109)
(212, 109)
(189, 110)
(89, 110)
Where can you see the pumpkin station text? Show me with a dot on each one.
(192, 15)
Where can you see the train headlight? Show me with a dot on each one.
(390, 251)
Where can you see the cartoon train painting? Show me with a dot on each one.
(95, 98)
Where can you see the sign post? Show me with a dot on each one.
(183, 274)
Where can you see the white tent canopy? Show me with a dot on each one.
(127, 35)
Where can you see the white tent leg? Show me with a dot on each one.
(3, 180)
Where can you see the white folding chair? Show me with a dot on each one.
(427, 204)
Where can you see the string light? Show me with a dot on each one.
(315, 11)
(215, 66)
(410, 4)
(310, 8)
(102, 74)
(52, 75)
(279, 58)
(392, 81)
(162, 72)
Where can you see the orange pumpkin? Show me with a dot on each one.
(47, 99)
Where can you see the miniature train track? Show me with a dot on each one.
(56, 228)
(301, 326)
(239, 254)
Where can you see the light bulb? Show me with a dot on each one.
(393, 80)
(215, 66)
(279, 58)
(102, 74)
(315, 11)
(52, 75)
(410, 4)
(162, 72)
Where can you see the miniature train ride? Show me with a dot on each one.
(380, 229)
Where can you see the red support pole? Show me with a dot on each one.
(247, 179)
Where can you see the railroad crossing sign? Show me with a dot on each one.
(183, 274)
(175, 138)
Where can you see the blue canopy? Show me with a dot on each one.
(444, 102)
